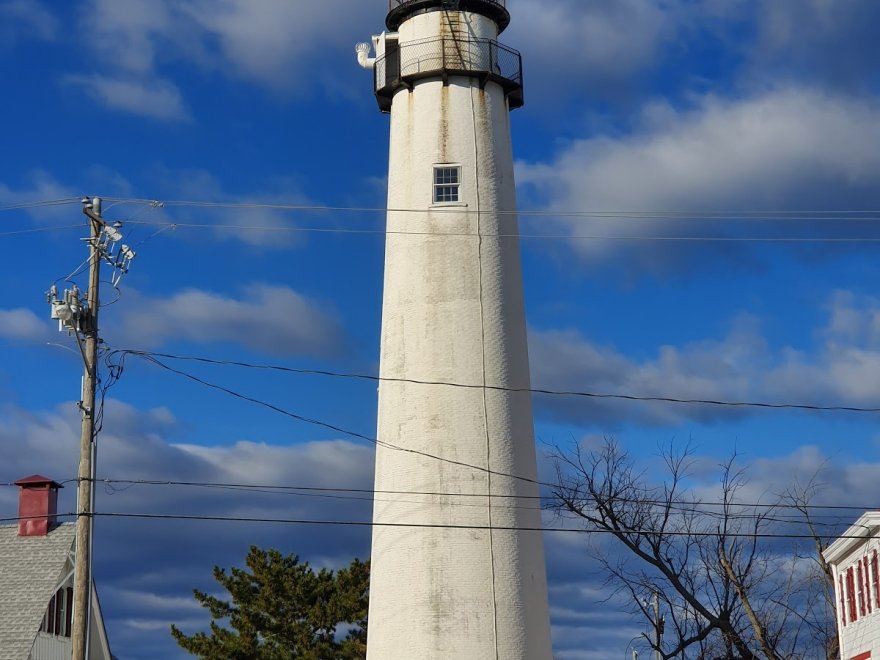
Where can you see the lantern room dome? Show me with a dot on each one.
(400, 10)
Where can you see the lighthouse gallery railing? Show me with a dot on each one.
(485, 59)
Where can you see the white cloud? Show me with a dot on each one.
(152, 98)
(741, 366)
(39, 186)
(785, 149)
(269, 319)
(830, 41)
(25, 18)
(604, 49)
(126, 32)
(762, 148)
(274, 43)
(260, 225)
(590, 43)
(23, 325)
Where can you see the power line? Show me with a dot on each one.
(308, 420)
(542, 391)
(271, 488)
(333, 427)
(40, 204)
(684, 506)
(39, 230)
(523, 236)
(419, 525)
(851, 215)
(803, 216)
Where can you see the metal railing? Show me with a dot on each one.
(485, 59)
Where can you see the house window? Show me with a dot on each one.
(58, 619)
(447, 182)
(842, 601)
(867, 572)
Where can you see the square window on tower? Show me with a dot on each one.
(447, 182)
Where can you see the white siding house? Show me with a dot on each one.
(855, 561)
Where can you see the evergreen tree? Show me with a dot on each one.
(280, 609)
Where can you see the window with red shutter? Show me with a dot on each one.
(866, 571)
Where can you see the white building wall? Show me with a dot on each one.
(51, 647)
(863, 635)
(453, 312)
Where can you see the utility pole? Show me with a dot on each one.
(80, 318)
(658, 626)
(82, 578)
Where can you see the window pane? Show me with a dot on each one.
(446, 194)
(445, 175)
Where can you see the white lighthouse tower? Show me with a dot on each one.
(457, 556)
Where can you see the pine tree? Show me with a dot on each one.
(279, 609)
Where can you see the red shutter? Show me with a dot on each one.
(861, 581)
(876, 577)
(851, 595)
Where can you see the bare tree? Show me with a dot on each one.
(728, 589)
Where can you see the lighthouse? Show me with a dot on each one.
(458, 567)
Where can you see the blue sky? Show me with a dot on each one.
(713, 109)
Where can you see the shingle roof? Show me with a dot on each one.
(30, 569)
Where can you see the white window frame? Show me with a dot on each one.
(443, 189)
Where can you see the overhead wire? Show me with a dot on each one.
(680, 504)
(334, 427)
(872, 215)
(523, 236)
(726, 510)
(498, 388)
(764, 216)
(426, 525)
(685, 508)
(40, 204)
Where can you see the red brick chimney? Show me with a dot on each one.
(37, 505)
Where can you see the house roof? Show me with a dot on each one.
(866, 527)
(30, 569)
